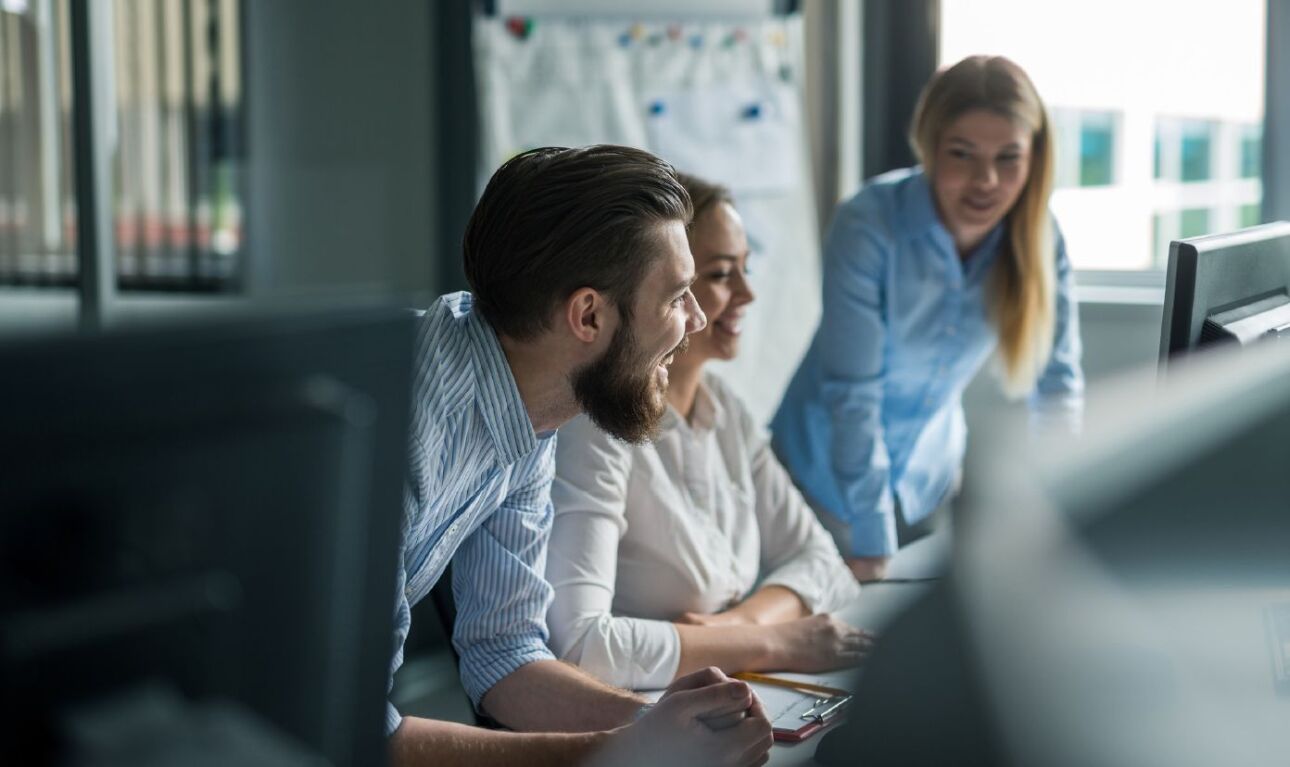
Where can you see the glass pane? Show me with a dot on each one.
(1197, 137)
(1251, 151)
(37, 201)
(1097, 150)
(1193, 222)
(178, 212)
(1250, 215)
(1166, 97)
(177, 208)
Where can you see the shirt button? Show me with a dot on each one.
(950, 330)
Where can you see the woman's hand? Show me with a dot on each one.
(818, 643)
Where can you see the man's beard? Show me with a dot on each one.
(620, 397)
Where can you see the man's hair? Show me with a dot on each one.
(554, 220)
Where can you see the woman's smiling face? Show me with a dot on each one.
(720, 247)
(981, 167)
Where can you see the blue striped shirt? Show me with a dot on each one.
(479, 494)
(874, 414)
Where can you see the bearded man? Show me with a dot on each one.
(580, 277)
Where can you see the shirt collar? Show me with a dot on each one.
(502, 407)
(709, 413)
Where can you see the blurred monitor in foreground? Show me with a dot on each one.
(1227, 288)
(198, 536)
(1123, 599)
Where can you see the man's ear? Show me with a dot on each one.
(587, 314)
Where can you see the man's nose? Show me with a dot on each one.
(697, 320)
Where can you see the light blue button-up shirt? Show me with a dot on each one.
(874, 413)
(479, 494)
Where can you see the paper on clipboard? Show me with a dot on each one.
(796, 713)
(784, 706)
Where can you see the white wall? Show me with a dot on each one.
(340, 130)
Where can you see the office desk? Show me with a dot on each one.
(877, 606)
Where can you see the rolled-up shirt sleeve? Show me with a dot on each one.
(402, 623)
(402, 609)
(853, 331)
(589, 494)
(498, 584)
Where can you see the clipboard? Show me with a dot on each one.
(797, 710)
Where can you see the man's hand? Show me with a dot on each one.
(819, 643)
(867, 569)
(683, 727)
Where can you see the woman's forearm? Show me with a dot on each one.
(731, 648)
(770, 604)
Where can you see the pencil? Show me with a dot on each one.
(748, 676)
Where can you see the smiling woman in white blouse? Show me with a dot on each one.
(694, 550)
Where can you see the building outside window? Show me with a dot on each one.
(1086, 147)
(1097, 149)
(1156, 117)
(1197, 142)
(1251, 151)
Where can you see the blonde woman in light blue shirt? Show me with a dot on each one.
(927, 273)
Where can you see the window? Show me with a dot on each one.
(1193, 222)
(176, 164)
(1251, 151)
(1086, 145)
(1096, 150)
(1197, 137)
(1156, 117)
(1250, 215)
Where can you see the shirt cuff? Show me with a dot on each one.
(488, 663)
(873, 535)
(392, 719)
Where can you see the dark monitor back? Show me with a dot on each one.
(1209, 274)
(213, 510)
(1120, 598)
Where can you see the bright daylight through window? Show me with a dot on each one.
(1157, 108)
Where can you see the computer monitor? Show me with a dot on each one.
(198, 534)
(1118, 598)
(1227, 288)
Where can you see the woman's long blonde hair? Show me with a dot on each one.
(1022, 293)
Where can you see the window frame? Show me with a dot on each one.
(901, 42)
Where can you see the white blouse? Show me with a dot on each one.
(689, 523)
